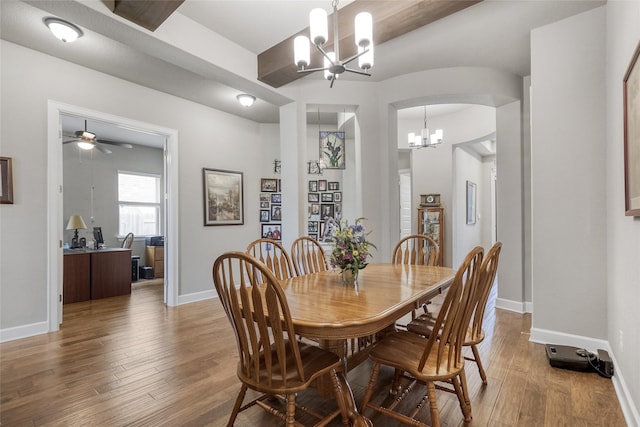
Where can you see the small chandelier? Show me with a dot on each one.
(425, 139)
(333, 65)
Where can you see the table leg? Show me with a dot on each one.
(347, 403)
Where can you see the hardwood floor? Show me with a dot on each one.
(132, 361)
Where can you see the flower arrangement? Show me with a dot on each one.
(350, 248)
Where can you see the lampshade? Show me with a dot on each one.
(76, 222)
(301, 52)
(246, 100)
(318, 27)
(364, 29)
(63, 30)
(85, 144)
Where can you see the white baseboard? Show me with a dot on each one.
(10, 334)
(505, 304)
(196, 296)
(629, 410)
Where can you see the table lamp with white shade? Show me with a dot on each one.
(75, 223)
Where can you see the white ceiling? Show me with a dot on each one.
(493, 33)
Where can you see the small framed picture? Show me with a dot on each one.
(279, 185)
(326, 197)
(264, 216)
(334, 186)
(276, 213)
(264, 205)
(264, 197)
(312, 227)
(276, 198)
(271, 231)
(326, 211)
(322, 185)
(313, 236)
(6, 180)
(269, 185)
(313, 186)
(314, 209)
(337, 196)
(337, 211)
(313, 197)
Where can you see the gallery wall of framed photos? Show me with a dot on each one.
(270, 208)
(324, 200)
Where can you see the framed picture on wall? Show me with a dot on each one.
(326, 197)
(322, 185)
(332, 149)
(632, 136)
(313, 197)
(223, 197)
(471, 202)
(264, 216)
(334, 186)
(6, 181)
(313, 186)
(276, 198)
(337, 196)
(269, 185)
(271, 231)
(276, 213)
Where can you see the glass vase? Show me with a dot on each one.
(349, 276)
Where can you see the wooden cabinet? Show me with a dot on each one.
(92, 274)
(155, 259)
(431, 223)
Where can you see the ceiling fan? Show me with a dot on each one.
(89, 140)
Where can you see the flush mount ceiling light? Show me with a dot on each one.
(333, 65)
(425, 139)
(63, 30)
(246, 100)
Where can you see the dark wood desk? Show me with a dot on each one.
(93, 274)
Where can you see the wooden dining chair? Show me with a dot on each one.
(274, 256)
(271, 361)
(436, 359)
(127, 241)
(308, 256)
(418, 249)
(423, 325)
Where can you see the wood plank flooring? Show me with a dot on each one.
(131, 361)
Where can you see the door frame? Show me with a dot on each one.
(55, 254)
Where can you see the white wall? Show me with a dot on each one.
(623, 233)
(207, 138)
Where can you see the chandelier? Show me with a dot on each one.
(333, 65)
(425, 139)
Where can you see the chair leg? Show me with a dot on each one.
(236, 406)
(372, 382)
(291, 410)
(476, 356)
(433, 404)
(460, 387)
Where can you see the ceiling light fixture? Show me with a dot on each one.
(425, 139)
(246, 100)
(63, 30)
(319, 32)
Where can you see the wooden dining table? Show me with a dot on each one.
(347, 319)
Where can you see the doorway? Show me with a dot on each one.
(55, 201)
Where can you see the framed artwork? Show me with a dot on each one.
(312, 227)
(314, 209)
(6, 181)
(264, 205)
(223, 197)
(332, 149)
(337, 211)
(471, 202)
(313, 197)
(334, 186)
(337, 196)
(322, 185)
(276, 198)
(269, 185)
(326, 197)
(271, 231)
(313, 186)
(326, 211)
(264, 216)
(265, 197)
(632, 136)
(276, 213)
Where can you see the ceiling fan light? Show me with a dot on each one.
(302, 55)
(318, 27)
(63, 30)
(88, 135)
(246, 100)
(86, 144)
(364, 29)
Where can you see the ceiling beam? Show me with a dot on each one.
(391, 19)
(146, 13)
